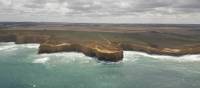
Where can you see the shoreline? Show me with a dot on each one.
(123, 50)
(106, 42)
(111, 52)
(127, 54)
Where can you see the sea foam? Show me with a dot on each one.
(129, 56)
(184, 58)
(13, 46)
(6, 47)
(41, 60)
(64, 57)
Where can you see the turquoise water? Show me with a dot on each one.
(22, 67)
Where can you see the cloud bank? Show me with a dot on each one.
(108, 11)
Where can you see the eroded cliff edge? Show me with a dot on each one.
(112, 51)
(47, 45)
(106, 53)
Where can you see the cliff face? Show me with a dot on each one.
(113, 51)
(90, 49)
(101, 53)
(109, 55)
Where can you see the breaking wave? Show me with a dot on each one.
(129, 56)
(139, 55)
(41, 60)
(6, 46)
(10, 45)
(63, 57)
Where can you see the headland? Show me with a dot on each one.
(105, 41)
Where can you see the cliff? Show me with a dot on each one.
(92, 49)
(112, 51)
(179, 51)
(106, 52)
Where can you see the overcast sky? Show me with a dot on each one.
(101, 11)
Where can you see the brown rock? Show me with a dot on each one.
(109, 55)
(52, 48)
(101, 53)
(88, 51)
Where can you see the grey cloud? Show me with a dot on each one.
(102, 8)
(116, 6)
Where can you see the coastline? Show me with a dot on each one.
(110, 52)
(106, 42)
(11, 46)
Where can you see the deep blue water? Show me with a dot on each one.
(22, 67)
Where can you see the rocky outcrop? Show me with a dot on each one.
(109, 55)
(93, 50)
(103, 52)
(50, 48)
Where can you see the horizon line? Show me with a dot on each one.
(92, 22)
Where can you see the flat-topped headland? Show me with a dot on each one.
(105, 41)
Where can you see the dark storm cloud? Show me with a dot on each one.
(102, 8)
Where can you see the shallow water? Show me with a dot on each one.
(22, 67)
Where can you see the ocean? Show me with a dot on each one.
(22, 67)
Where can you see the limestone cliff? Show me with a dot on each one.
(92, 50)
(48, 45)
(103, 51)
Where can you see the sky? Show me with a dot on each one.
(101, 11)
